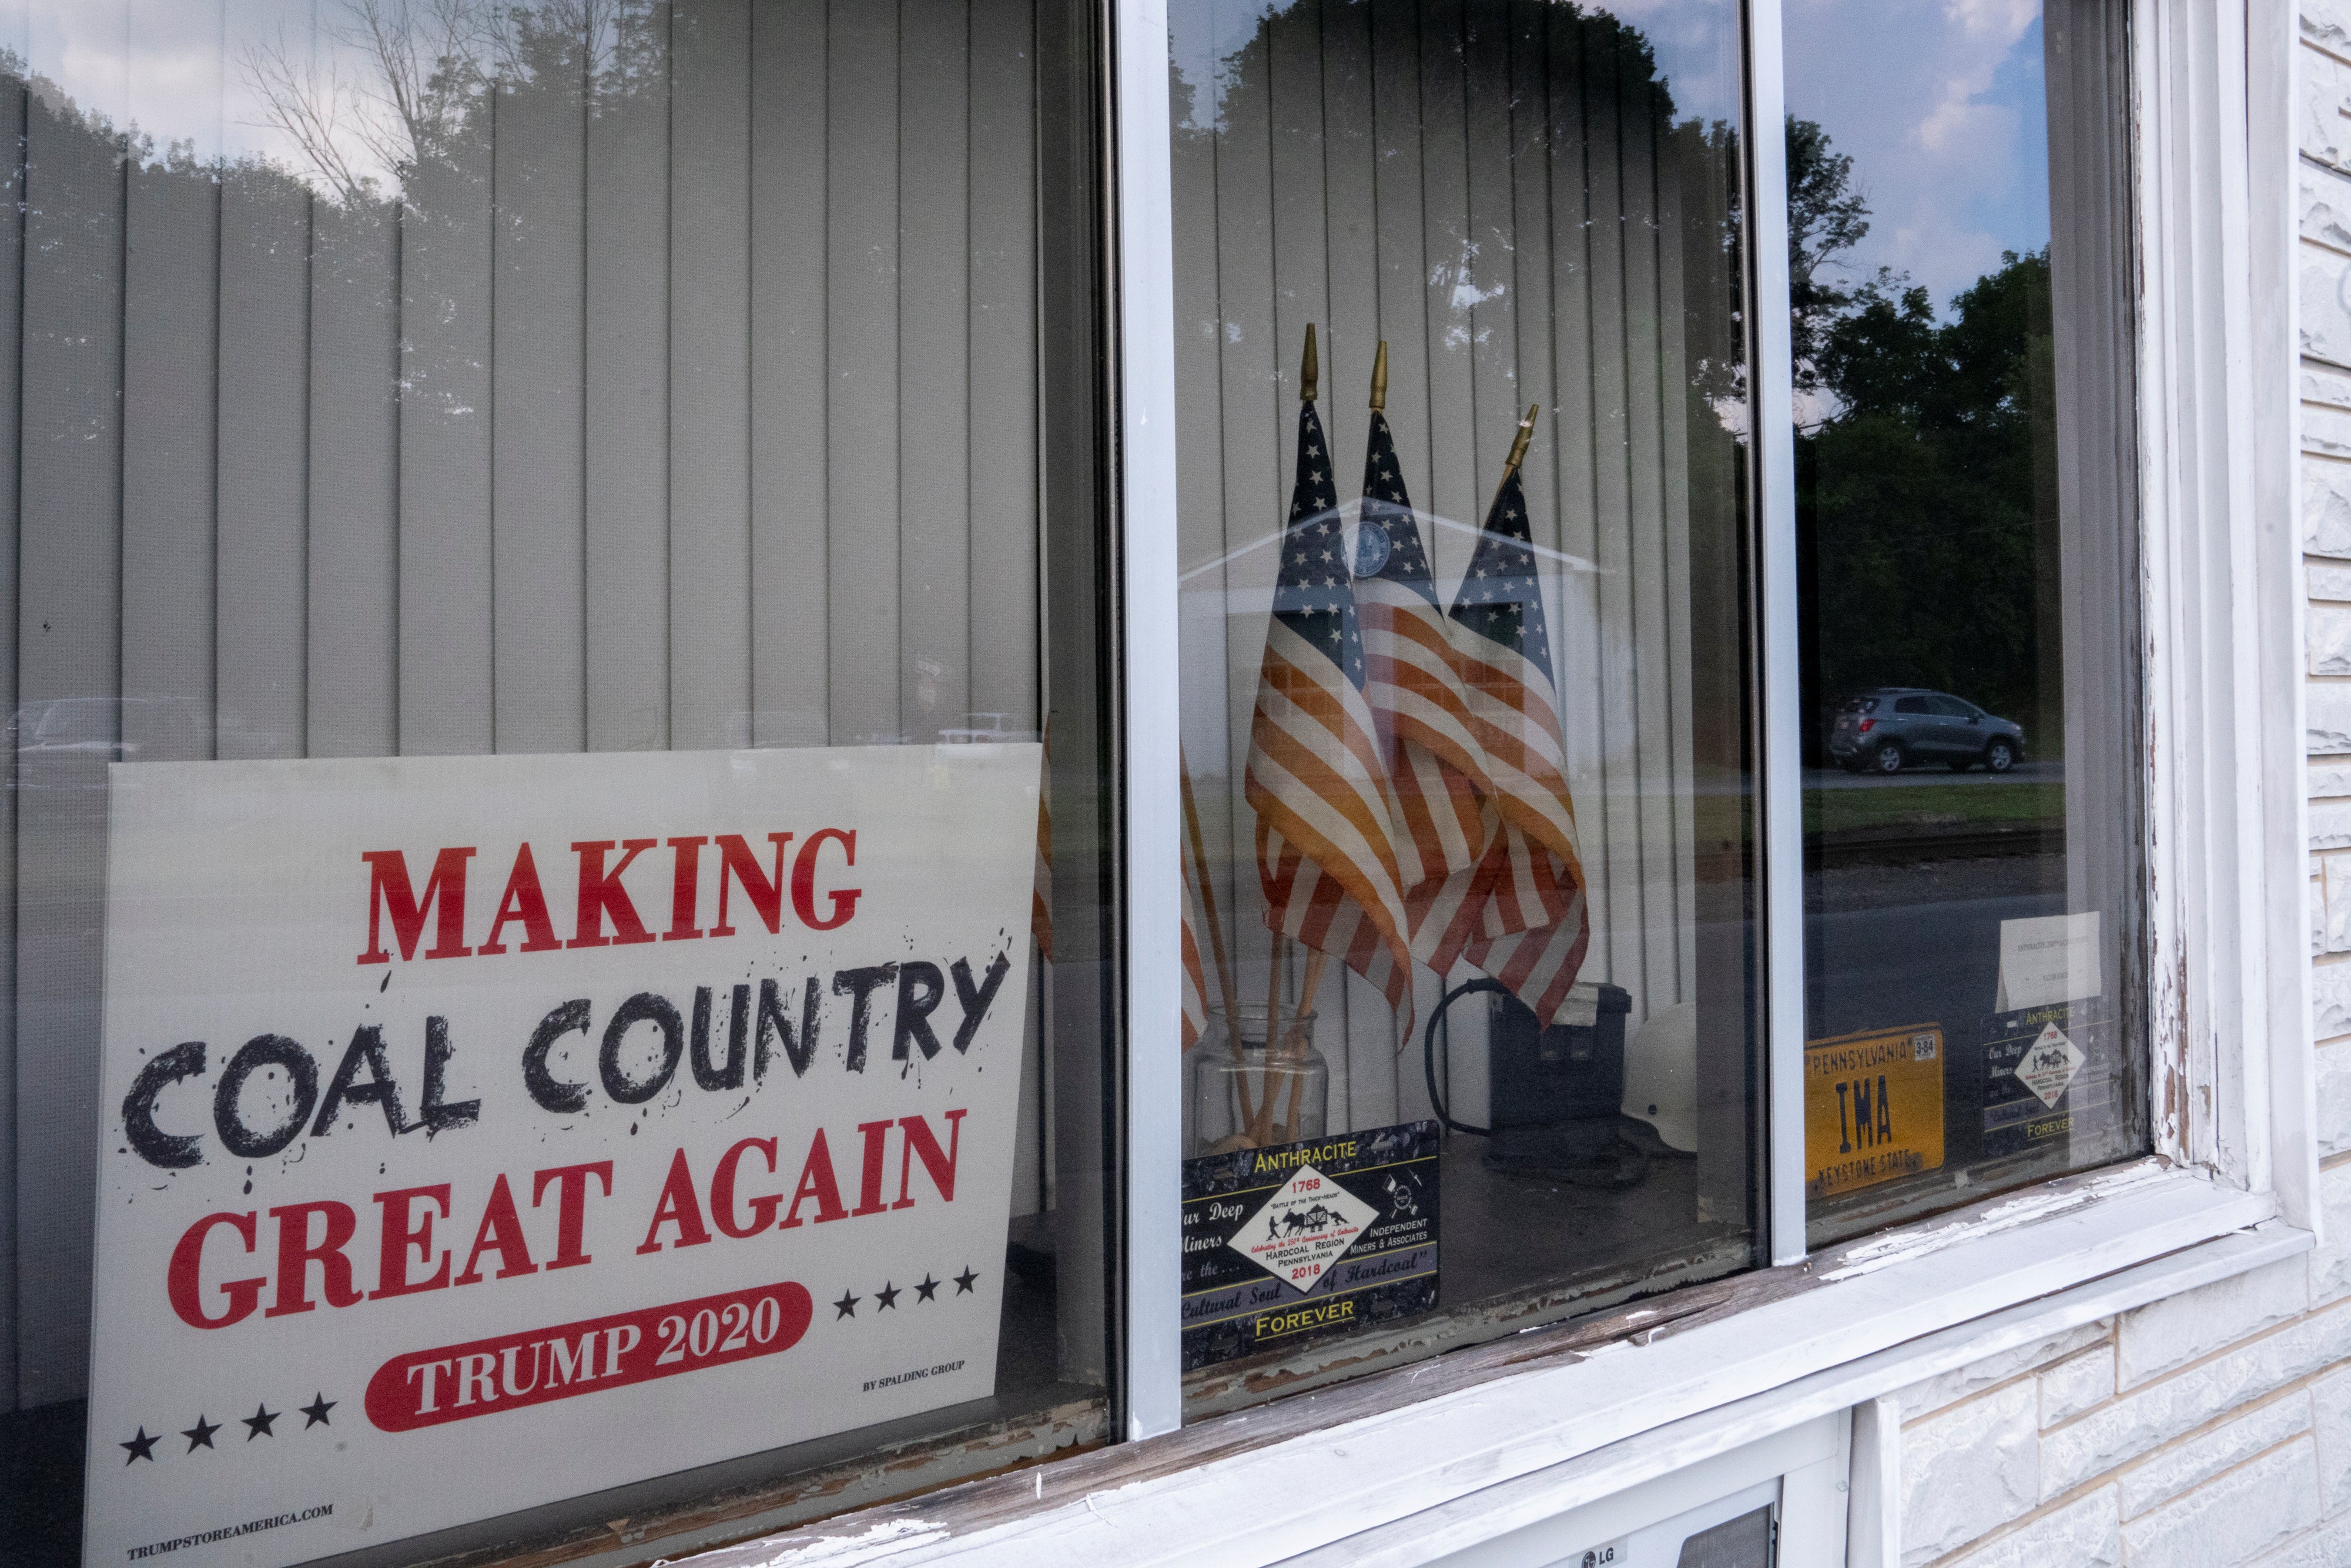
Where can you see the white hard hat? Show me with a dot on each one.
(1661, 1075)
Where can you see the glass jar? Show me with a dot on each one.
(1252, 1098)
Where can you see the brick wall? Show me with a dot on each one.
(2213, 1429)
(2210, 1429)
(2324, 209)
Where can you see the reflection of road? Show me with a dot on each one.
(1915, 963)
(1911, 963)
(1932, 773)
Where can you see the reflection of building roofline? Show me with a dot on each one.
(1346, 511)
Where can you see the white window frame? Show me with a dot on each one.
(1388, 1468)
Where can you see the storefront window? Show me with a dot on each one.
(561, 880)
(547, 541)
(1961, 267)
(1467, 687)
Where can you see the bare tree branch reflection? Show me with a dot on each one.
(395, 84)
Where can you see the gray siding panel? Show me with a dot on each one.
(862, 207)
(447, 678)
(170, 373)
(538, 457)
(354, 508)
(790, 608)
(710, 374)
(264, 356)
(13, 104)
(626, 396)
(69, 669)
(1000, 393)
(934, 372)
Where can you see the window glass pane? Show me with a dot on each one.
(1959, 247)
(563, 502)
(1466, 699)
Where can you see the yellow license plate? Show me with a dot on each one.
(1873, 1108)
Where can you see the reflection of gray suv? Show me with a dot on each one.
(1892, 727)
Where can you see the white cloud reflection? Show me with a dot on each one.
(1941, 104)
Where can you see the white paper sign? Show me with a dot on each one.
(481, 1132)
(2050, 960)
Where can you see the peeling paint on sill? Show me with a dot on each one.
(1883, 1251)
(829, 1548)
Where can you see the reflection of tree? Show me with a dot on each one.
(1924, 494)
(1576, 92)
(394, 86)
(1826, 217)
(401, 83)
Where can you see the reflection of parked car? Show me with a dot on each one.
(1888, 729)
(66, 742)
(985, 727)
(69, 725)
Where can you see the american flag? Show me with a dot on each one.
(1326, 859)
(1195, 979)
(1413, 679)
(1531, 926)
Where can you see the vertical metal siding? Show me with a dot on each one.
(69, 645)
(684, 395)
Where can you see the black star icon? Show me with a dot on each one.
(200, 1436)
(928, 1291)
(848, 1305)
(258, 1424)
(141, 1446)
(317, 1410)
(887, 1295)
(963, 1280)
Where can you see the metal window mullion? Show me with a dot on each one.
(1781, 785)
(1143, 274)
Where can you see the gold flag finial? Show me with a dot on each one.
(1310, 368)
(1380, 376)
(1525, 434)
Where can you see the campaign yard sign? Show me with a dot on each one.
(481, 1132)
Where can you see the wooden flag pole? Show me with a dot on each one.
(1380, 376)
(1261, 1123)
(1230, 992)
(1310, 382)
(1306, 989)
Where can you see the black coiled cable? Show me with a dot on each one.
(1428, 1048)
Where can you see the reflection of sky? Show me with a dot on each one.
(174, 67)
(1695, 44)
(1942, 106)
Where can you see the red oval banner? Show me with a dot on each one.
(459, 1382)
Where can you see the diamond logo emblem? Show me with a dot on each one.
(1303, 1229)
(2049, 1065)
